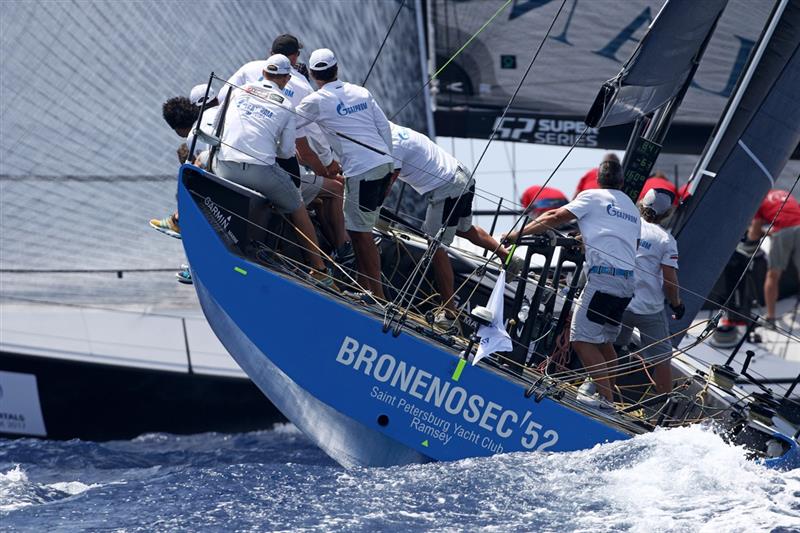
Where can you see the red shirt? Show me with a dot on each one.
(790, 215)
(683, 192)
(549, 198)
(588, 181)
(659, 183)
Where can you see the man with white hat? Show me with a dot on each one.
(312, 149)
(260, 128)
(359, 133)
(656, 277)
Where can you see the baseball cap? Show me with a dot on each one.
(659, 200)
(198, 92)
(286, 44)
(321, 59)
(278, 64)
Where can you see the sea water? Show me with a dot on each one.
(677, 480)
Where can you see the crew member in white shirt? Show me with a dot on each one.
(609, 223)
(181, 115)
(260, 127)
(448, 190)
(313, 150)
(656, 277)
(359, 134)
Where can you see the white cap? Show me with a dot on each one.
(321, 59)
(659, 200)
(199, 91)
(278, 64)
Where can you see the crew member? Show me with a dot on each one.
(784, 240)
(260, 127)
(659, 181)
(181, 113)
(536, 200)
(656, 277)
(312, 148)
(589, 180)
(448, 190)
(610, 226)
(359, 133)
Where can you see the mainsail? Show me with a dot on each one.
(754, 139)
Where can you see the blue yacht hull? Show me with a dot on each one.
(363, 396)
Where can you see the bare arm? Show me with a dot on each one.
(671, 285)
(309, 157)
(755, 231)
(548, 220)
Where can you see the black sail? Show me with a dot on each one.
(661, 65)
(755, 137)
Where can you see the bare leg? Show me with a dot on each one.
(610, 356)
(480, 237)
(306, 233)
(593, 360)
(662, 374)
(369, 262)
(443, 272)
(331, 194)
(771, 290)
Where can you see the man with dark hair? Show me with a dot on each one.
(782, 211)
(180, 113)
(656, 277)
(610, 226)
(345, 111)
(589, 180)
(259, 129)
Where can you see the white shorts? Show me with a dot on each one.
(600, 326)
(363, 197)
(451, 206)
(310, 185)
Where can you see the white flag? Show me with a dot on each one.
(494, 337)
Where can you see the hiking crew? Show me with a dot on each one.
(259, 128)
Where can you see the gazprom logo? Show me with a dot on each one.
(615, 211)
(344, 111)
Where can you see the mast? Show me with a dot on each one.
(754, 138)
(427, 62)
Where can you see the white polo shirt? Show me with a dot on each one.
(296, 89)
(610, 225)
(207, 125)
(423, 164)
(656, 247)
(341, 107)
(259, 125)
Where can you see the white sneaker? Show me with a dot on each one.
(587, 393)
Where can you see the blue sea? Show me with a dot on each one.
(276, 480)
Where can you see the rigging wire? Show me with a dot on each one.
(385, 38)
(452, 57)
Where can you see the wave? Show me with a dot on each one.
(684, 479)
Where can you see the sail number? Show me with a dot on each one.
(530, 437)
